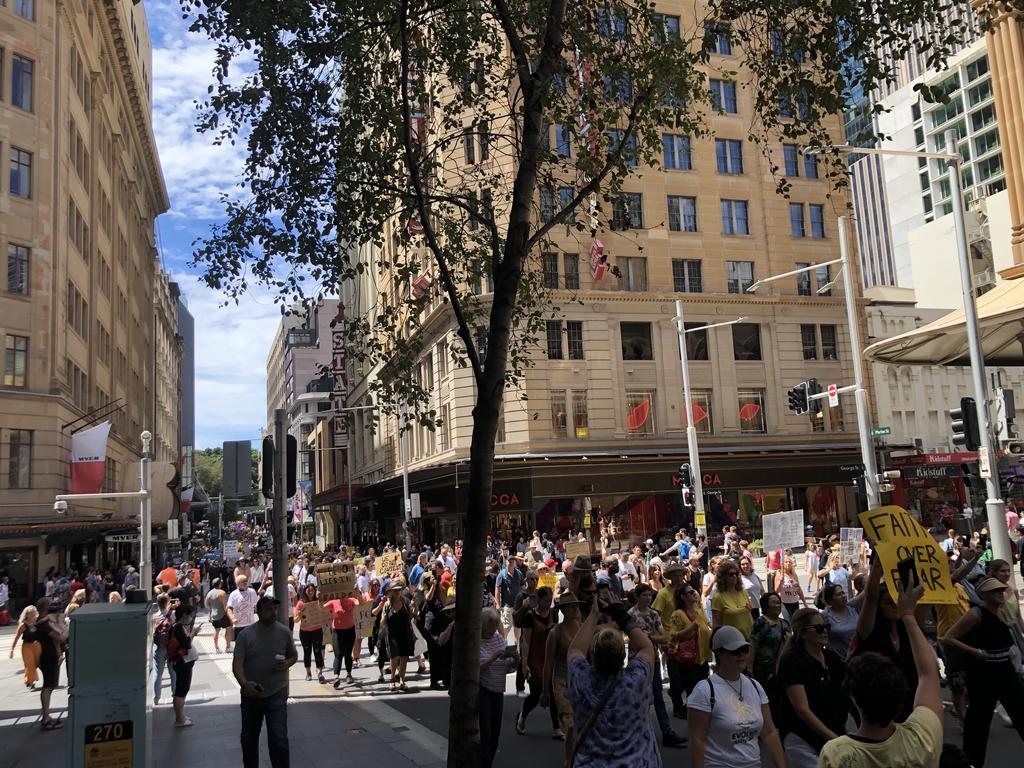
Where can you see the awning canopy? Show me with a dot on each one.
(944, 341)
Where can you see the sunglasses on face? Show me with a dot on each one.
(739, 652)
(821, 629)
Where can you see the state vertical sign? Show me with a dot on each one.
(339, 369)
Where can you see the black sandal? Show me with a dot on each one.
(52, 725)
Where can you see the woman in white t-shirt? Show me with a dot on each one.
(728, 712)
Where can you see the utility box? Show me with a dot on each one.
(107, 686)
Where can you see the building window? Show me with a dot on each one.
(485, 140)
(734, 217)
(558, 415)
(803, 280)
(21, 83)
(468, 145)
(824, 276)
(636, 341)
(634, 273)
(811, 166)
(829, 343)
(686, 276)
(640, 412)
(574, 337)
(809, 342)
(677, 152)
(580, 418)
(729, 155)
(700, 403)
(563, 144)
(554, 337)
(682, 213)
(15, 360)
(19, 474)
(628, 151)
(746, 341)
(791, 156)
(717, 38)
(627, 211)
(666, 29)
(446, 427)
(572, 271)
(611, 23)
(750, 403)
(723, 96)
(21, 173)
(797, 227)
(739, 275)
(817, 212)
(550, 262)
(25, 9)
(696, 341)
(17, 269)
(565, 197)
(547, 204)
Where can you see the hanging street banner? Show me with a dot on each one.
(898, 536)
(89, 458)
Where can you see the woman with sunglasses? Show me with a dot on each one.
(728, 714)
(813, 708)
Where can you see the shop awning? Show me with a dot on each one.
(336, 495)
(64, 531)
(944, 341)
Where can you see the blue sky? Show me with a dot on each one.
(231, 342)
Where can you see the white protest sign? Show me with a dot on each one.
(783, 529)
(849, 544)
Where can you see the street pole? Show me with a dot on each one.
(986, 459)
(691, 430)
(220, 523)
(867, 446)
(280, 522)
(405, 477)
(348, 477)
(145, 519)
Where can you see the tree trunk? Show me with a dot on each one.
(464, 712)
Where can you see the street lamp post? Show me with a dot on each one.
(867, 449)
(994, 506)
(691, 429)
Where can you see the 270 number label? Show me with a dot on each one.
(103, 732)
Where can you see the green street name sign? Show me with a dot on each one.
(881, 431)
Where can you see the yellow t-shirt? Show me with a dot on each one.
(680, 621)
(735, 609)
(917, 743)
(664, 603)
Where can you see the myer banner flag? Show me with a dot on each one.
(89, 458)
(898, 536)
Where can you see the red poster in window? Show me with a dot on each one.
(749, 412)
(638, 416)
(699, 414)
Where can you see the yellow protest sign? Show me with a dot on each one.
(573, 549)
(548, 580)
(335, 580)
(389, 562)
(898, 536)
(364, 619)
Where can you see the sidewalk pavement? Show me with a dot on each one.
(323, 724)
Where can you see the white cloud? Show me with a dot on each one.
(231, 350)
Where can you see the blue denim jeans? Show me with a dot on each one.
(254, 711)
(159, 662)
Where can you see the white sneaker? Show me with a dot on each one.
(521, 694)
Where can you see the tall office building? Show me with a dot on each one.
(87, 316)
(595, 428)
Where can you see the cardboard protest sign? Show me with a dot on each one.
(335, 580)
(364, 619)
(783, 529)
(898, 536)
(389, 562)
(574, 549)
(849, 544)
(314, 614)
(548, 580)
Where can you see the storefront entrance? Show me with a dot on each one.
(19, 566)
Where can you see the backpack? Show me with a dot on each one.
(162, 633)
(175, 651)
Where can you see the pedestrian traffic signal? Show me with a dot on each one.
(689, 500)
(964, 424)
(798, 398)
(685, 475)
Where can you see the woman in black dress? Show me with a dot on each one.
(398, 635)
(51, 641)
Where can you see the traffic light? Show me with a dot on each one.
(685, 475)
(267, 467)
(689, 500)
(291, 466)
(964, 424)
(798, 398)
(813, 388)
